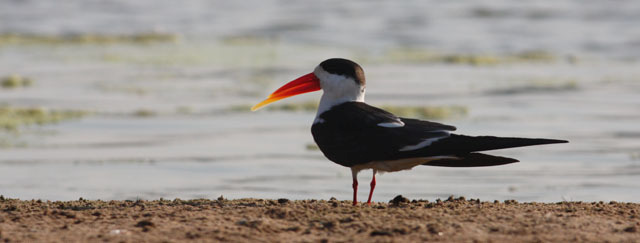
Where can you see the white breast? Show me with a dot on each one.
(336, 89)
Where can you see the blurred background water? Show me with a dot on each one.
(148, 99)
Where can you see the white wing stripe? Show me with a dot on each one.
(420, 145)
(394, 124)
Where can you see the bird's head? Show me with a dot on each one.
(341, 80)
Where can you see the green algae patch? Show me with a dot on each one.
(15, 81)
(144, 113)
(12, 118)
(416, 55)
(306, 106)
(239, 108)
(184, 110)
(33, 39)
(248, 40)
(311, 147)
(539, 86)
(534, 56)
(422, 112)
(475, 60)
(126, 89)
(427, 112)
(300, 106)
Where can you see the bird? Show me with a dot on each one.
(354, 134)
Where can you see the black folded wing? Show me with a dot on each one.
(354, 133)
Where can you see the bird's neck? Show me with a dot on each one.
(331, 99)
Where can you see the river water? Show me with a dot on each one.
(165, 118)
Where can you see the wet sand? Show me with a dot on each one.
(253, 220)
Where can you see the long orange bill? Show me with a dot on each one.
(307, 83)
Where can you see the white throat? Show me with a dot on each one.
(337, 89)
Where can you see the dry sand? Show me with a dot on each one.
(255, 220)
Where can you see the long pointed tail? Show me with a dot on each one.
(462, 144)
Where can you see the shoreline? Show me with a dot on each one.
(401, 220)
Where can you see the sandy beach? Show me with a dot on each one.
(259, 220)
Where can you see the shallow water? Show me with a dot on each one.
(162, 120)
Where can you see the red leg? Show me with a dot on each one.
(355, 191)
(373, 186)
